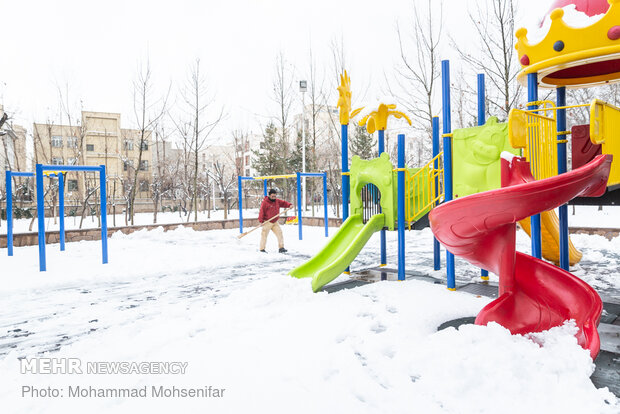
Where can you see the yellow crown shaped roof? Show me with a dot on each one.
(573, 57)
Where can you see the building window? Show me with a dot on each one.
(90, 147)
(144, 165)
(57, 141)
(144, 146)
(247, 160)
(72, 142)
(128, 145)
(72, 185)
(127, 165)
(247, 172)
(143, 186)
(56, 160)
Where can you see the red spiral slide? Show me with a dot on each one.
(533, 295)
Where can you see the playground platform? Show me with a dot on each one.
(607, 372)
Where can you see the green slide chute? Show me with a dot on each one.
(340, 251)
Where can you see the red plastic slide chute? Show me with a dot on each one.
(533, 295)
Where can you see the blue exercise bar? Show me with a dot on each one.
(447, 157)
(299, 207)
(9, 205)
(401, 206)
(532, 96)
(240, 180)
(484, 274)
(9, 213)
(40, 216)
(104, 214)
(39, 172)
(61, 209)
(561, 127)
(436, 245)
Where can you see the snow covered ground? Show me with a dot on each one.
(241, 324)
(585, 216)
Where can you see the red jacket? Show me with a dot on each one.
(269, 208)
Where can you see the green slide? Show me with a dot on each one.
(340, 251)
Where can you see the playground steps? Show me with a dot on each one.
(607, 372)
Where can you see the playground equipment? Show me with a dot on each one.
(298, 177)
(58, 171)
(533, 294)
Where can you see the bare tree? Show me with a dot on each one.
(197, 101)
(147, 112)
(495, 26)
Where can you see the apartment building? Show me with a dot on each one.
(97, 139)
(13, 151)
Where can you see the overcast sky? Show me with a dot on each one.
(96, 47)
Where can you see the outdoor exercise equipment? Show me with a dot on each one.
(55, 170)
(297, 176)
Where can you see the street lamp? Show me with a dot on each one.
(303, 87)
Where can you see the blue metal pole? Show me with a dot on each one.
(447, 157)
(299, 219)
(104, 215)
(346, 178)
(265, 187)
(401, 207)
(383, 240)
(484, 274)
(561, 124)
(344, 130)
(40, 216)
(532, 96)
(61, 209)
(436, 245)
(240, 195)
(9, 213)
(325, 209)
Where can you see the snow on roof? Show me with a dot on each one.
(572, 17)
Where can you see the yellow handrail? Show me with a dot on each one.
(604, 125)
(424, 189)
(536, 133)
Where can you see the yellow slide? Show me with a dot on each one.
(550, 229)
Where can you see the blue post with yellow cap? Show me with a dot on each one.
(401, 206)
(382, 234)
(532, 96)
(436, 245)
(563, 210)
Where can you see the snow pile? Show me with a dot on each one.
(572, 17)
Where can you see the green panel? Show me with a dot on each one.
(476, 157)
(339, 251)
(377, 171)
